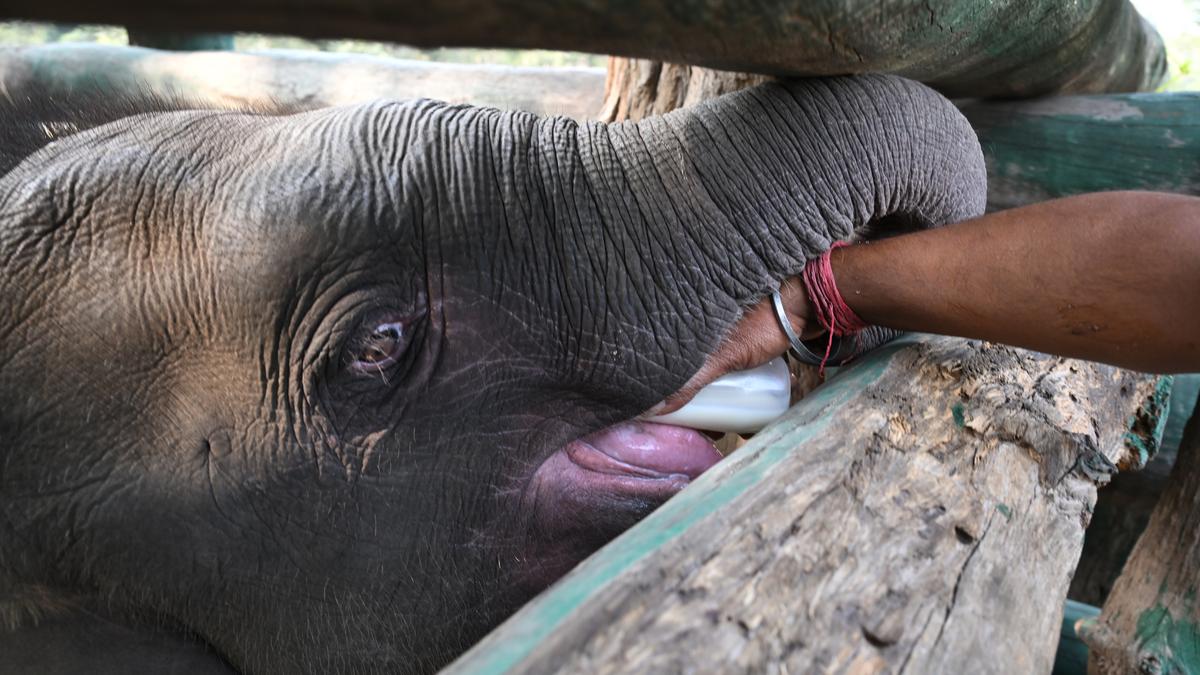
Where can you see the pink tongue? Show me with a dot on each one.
(659, 447)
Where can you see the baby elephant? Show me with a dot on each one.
(338, 390)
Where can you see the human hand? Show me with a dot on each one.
(754, 340)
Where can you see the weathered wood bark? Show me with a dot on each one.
(1124, 507)
(639, 88)
(296, 78)
(1055, 147)
(1151, 621)
(1061, 146)
(922, 511)
(964, 47)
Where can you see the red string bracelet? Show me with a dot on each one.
(832, 311)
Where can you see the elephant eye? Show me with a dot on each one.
(379, 348)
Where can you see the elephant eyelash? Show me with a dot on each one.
(379, 349)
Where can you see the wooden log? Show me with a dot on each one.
(1124, 507)
(964, 47)
(1122, 513)
(1038, 150)
(1151, 621)
(296, 79)
(922, 510)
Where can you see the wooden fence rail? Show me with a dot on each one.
(922, 511)
(964, 47)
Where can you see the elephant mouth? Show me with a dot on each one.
(644, 450)
(629, 467)
(593, 488)
(599, 485)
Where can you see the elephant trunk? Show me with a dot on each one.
(720, 201)
(764, 179)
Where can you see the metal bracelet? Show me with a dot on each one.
(799, 349)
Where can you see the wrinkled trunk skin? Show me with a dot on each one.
(759, 181)
(685, 219)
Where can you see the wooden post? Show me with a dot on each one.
(1125, 506)
(1151, 621)
(963, 47)
(296, 79)
(922, 511)
(638, 88)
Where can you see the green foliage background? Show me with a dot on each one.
(1178, 21)
(1183, 63)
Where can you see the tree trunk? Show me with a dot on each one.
(1151, 620)
(638, 88)
(921, 511)
(963, 47)
(295, 79)
(1122, 514)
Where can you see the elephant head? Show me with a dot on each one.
(339, 390)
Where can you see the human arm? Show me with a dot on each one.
(1111, 277)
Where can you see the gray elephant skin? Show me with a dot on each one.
(338, 390)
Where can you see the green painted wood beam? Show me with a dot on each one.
(1184, 397)
(1072, 655)
(1037, 150)
(964, 47)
